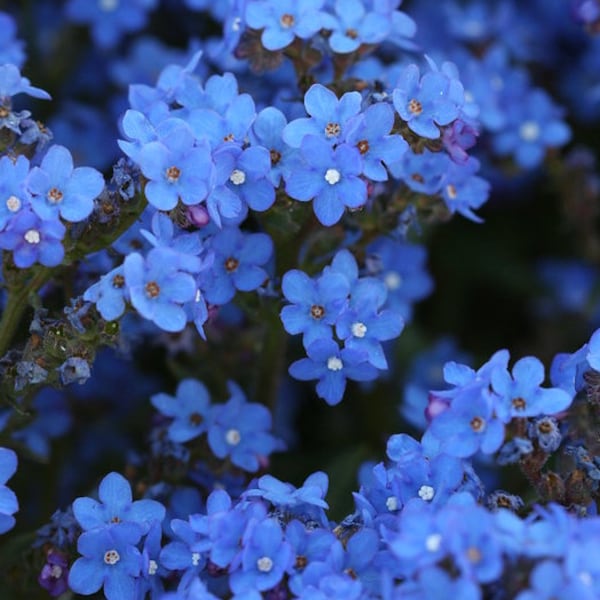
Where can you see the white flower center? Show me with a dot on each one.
(111, 557)
(426, 492)
(529, 131)
(233, 437)
(13, 204)
(264, 564)
(433, 542)
(152, 567)
(392, 503)
(236, 24)
(469, 96)
(358, 329)
(392, 280)
(108, 5)
(195, 559)
(56, 571)
(585, 578)
(334, 363)
(32, 236)
(332, 176)
(237, 177)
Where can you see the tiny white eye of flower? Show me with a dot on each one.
(13, 204)
(392, 503)
(233, 437)
(152, 567)
(392, 280)
(426, 492)
(332, 176)
(529, 131)
(32, 236)
(195, 559)
(237, 177)
(334, 363)
(433, 542)
(264, 564)
(358, 329)
(111, 557)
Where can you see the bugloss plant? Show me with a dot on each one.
(218, 306)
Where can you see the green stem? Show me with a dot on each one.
(19, 292)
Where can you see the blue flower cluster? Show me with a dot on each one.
(237, 430)
(339, 307)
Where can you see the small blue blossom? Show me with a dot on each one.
(158, 287)
(240, 430)
(534, 124)
(266, 556)
(110, 560)
(238, 264)
(332, 366)
(329, 177)
(59, 188)
(370, 133)
(189, 409)
(33, 240)
(284, 20)
(427, 102)
(8, 500)
(109, 294)
(13, 190)
(177, 167)
(520, 395)
(356, 25)
(315, 305)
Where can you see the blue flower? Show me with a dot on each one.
(240, 430)
(521, 394)
(363, 326)
(356, 26)
(13, 189)
(109, 294)
(116, 506)
(158, 287)
(190, 409)
(266, 556)
(330, 177)
(110, 560)
(33, 240)
(534, 124)
(332, 366)
(469, 425)
(284, 20)
(427, 102)
(462, 190)
(59, 188)
(370, 133)
(315, 305)
(177, 167)
(8, 500)
(238, 264)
